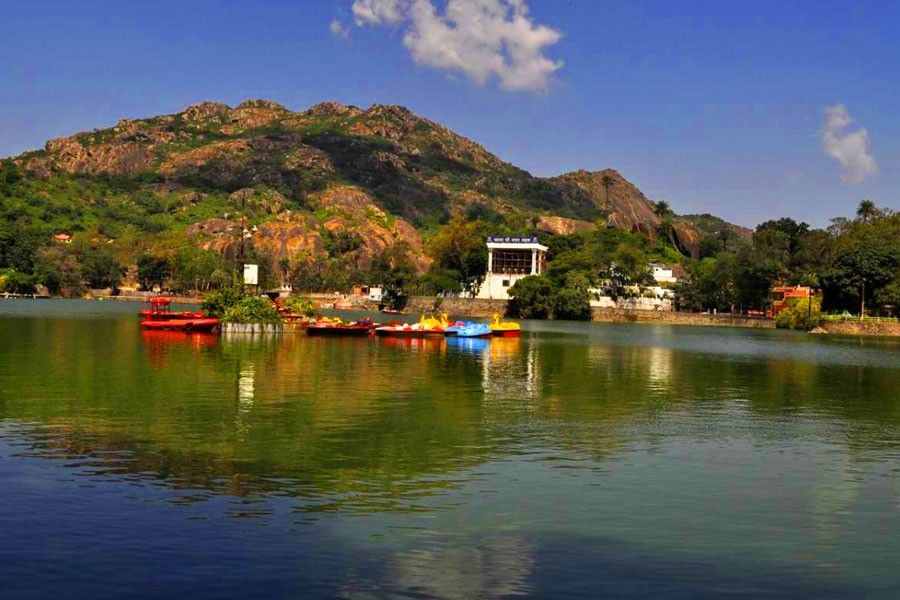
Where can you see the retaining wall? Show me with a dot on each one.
(664, 317)
(458, 307)
(856, 327)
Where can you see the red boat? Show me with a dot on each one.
(160, 310)
(360, 328)
(175, 314)
(202, 324)
(160, 318)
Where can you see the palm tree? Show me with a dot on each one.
(866, 211)
(662, 209)
(666, 229)
(607, 182)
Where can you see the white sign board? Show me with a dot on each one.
(251, 274)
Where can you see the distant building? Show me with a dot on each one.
(662, 274)
(373, 293)
(510, 259)
(782, 294)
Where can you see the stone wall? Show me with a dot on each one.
(857, 327)
(662, 317)
(458, 307)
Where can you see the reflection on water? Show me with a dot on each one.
(462, 467)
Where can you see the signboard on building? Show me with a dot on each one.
(251, 274)
(516, 239)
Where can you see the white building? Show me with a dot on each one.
(510, 259)
(662, 274)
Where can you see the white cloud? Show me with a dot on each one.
(378, 12)
(480, 38)
(852, 149)
(338, 29)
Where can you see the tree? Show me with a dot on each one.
(572, 301)
(17, 282)
(759, 266)
(532, 297)
(57, 268)
(607, 181)
(801, 313)
(711, 285)
(197, 269)
(459, 247)
(100, 268)
(864, 267)
(630, 266)
(394, 270)
(866, 211)
(662, 209)
(890, 294)
(666, 229)
(795, 232)
(152, 270)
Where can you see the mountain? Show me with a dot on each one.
(308, 182)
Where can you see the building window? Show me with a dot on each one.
(506, 283)
(511, 262)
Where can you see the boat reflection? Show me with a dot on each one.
(468, 345)
(416, 344)
(160, 343)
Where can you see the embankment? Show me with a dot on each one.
(475, 307)
(663, 317)
(857, 327)
(458, 307)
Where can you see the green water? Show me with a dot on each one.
(580, 460)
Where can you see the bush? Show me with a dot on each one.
(16, 282)
(798, 315)
(216, 303)
(302, 306)
(572, 303)
(252, 309)
(532, 297)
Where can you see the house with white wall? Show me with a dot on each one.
(509, 260)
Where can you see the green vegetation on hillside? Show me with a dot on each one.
(336, 196)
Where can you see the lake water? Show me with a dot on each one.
(578, 461)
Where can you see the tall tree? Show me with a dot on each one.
(662, 209)
(607, 182)
(866, 211)
(863, 268)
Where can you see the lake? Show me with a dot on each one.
(582, 460)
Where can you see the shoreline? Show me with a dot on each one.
(477, 308)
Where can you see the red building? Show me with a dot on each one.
(781, 294)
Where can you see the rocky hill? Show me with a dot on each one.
(306, 180)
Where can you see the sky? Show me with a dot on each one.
(746, 110)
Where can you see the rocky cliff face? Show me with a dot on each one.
(627, 207)
(381, 173)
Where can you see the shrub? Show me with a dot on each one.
(252, 309)
(572, 303)
(798, 315)
(532, 297)
(16, 282)
(216, 303)
(302, 306)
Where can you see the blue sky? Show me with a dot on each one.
(713, 106)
